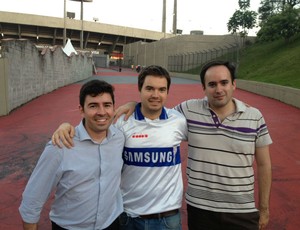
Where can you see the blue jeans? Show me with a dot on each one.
(166, 223)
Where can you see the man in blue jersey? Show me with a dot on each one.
(86, 177)
(151, 183)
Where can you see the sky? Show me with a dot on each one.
(209, 16)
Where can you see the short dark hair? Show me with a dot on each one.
(230, 66)
(94, 88)
(153, 70)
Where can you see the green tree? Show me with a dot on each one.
(242, 20)
(285, 24)
(269, 8)
(240, 23)
(291, 3)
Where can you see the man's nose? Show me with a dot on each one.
(219, 87)
(101, 110)
(155, 93)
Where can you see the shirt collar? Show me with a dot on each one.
(83, 134)
(139, 116)
(240, 106)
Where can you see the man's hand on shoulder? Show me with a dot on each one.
(126, 109)
(64, 136)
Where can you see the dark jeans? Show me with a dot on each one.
(57, 227)
(199, 219)
(114, 226)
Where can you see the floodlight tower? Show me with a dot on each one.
(175, 17)
(65, 26)
(81, 18)
(164, 17)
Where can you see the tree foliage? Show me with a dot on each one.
(279, 19)
(242, 20)
(269, 8)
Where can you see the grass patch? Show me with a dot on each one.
(274, 62)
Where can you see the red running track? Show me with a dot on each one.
(25, 131)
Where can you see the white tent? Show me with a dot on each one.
(69, 49)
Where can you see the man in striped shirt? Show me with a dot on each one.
(225, 136)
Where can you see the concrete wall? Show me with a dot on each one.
(287, 95)
(3, 86)
(27, 73)
(142, 53)
(101, 60)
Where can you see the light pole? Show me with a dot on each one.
(175, 17)
(81, 18)
(163, 29)
(65, 29)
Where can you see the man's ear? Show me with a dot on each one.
(81, 110)
(234, 84)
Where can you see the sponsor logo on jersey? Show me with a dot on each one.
(152, 157)
(137, 135)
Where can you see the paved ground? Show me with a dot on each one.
(25, 131)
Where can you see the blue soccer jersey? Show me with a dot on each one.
(151, 177)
